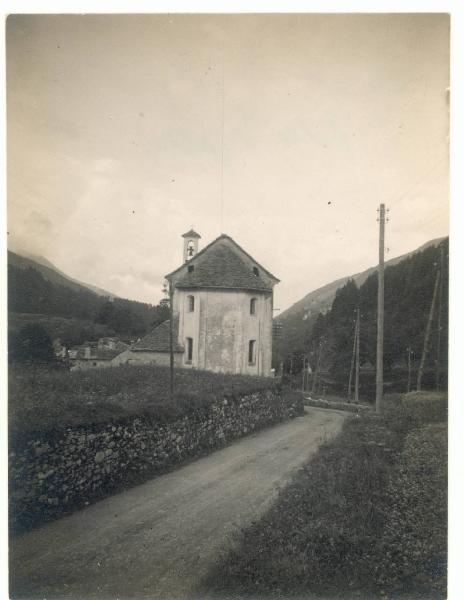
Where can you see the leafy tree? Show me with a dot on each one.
(408, 296)
(160, 313)
(31, 344)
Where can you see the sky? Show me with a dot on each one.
(284, 131)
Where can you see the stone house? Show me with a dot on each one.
(223, 309)
(152, 349)
(95, 354)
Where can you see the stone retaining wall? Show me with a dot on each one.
(56, 471)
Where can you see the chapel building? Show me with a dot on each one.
(222, 308)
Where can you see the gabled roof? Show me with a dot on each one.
(191, 234)
(158, 340)
(223, 264)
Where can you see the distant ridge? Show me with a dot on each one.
(52, 273)
(320, 300)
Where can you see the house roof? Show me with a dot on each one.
(158, 339)
(99, 353)
(191, 234)
(223, 264)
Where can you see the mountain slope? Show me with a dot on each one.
(38, 293)
(52, 273)
(320, 300)
(297, 321)
(410, 286)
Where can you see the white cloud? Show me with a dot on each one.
(115, 141)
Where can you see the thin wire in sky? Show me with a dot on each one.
(222, 144)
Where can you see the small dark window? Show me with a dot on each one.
(189, 349)
(191, 268)
(256, 271)
(251, 352)
(190, 303)
(253, 306)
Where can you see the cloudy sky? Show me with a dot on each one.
(125, 131)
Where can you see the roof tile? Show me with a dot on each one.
(158, 340)
(223, 268)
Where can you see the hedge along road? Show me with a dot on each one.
(159, 539)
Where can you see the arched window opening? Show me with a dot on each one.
(256, 271)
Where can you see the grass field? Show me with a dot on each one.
(43, 399)
(366, 518)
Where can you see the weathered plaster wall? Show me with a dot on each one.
(221, 326)
(56, 471)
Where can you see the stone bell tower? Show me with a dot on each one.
(190, 244)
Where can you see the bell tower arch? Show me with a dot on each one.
(190, 244)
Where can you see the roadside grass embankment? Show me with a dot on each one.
(335, 403)
(42, 399)
(365, 518)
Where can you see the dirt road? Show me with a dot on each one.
(158, 539)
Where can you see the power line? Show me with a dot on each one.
(431, 171)
(222, 146)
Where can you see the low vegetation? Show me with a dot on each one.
(70, 332)
(43, 399)
(325, 337)
(335, 403)
(366, 518)
(71, 311)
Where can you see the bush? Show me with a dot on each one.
(31, 344)
(413, 544)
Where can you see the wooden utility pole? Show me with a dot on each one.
(171, 343)
(428, 328)
(356, 379)
(303, 375)
(316, 372)
(353, 356)
(380, 311)
(440, 301)
(409, 351)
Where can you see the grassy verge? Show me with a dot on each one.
(366, 518)
(335, 404)
(43, 399)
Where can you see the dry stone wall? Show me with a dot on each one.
(54, 472)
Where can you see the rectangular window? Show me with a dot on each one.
(253, 306)
(251, 352)
(189, 349)
(190, 303)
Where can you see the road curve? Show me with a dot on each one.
(158, 540)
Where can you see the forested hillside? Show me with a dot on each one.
(297, 321)
(409, 287)
(51, 273)
(72, 311)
